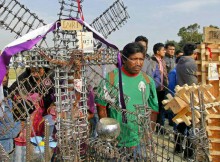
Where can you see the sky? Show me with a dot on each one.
(158, 20)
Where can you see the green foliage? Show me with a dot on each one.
(190, 34)
(213, 26)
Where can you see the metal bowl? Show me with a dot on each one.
(108, 129)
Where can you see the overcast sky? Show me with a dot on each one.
(158, 20)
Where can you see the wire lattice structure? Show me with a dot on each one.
(27, 20)
(65, 64)
(115, 16)
(17, 18)
(153, 146)
(69, 9)
(4, 156)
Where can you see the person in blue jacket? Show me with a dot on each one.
(9, 129)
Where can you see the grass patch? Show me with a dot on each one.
(12, 74)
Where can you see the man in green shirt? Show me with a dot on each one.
(133, 82)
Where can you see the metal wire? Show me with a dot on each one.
(17, 18)
(71, 104)
(111, 19)
(4, 157)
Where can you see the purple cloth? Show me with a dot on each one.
(91, 100)
(122, 100)
(12, 50)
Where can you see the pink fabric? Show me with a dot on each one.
(37, 119)
(37, 116)
(161, 69)
(21, 139)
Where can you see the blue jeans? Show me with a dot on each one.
(140, 152)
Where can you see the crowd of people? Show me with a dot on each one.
(157, 74)
(165, 69)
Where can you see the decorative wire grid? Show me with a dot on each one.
(110, 20)
(3, 155)
(157, 143)
(161, 148)
(73, 131)
(68, 9)
(100, 150)
(17, 18)
(64, 43)
(19, 96)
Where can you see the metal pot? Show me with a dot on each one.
(108, 129)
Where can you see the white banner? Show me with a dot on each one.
(213, 72)
(85, 41)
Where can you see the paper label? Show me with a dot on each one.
(213, 72)
(70, 25)
(85, 41)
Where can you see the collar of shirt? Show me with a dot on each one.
(127, 73)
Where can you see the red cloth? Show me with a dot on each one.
(210, 52)
(80, 10)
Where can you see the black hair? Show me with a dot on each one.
(132, 48)
(177, 59)
(189, 49)
(178, 51)
(157, 47)
(28, 70)
(141, 38)
(169, 44)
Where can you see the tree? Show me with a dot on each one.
(189, 34)
(213, 26)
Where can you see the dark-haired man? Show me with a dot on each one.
(170, 56)
(147, 61)
(159, 53)
(186, 68)
(178, 53)
(133, 81)
(148, 67)
(186, 74)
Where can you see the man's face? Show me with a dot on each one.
(195, 55)
(145, 45)
(161, 52)
(134, 63)
(170, 50)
